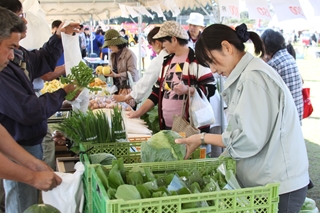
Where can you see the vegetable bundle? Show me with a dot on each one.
(81, 76)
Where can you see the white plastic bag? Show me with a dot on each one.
(71, 49)
(81, 103)
(68, 197)
(200, 110)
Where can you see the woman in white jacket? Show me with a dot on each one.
(143, 87)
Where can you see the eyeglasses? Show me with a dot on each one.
(22, 15)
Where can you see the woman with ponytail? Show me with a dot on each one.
(263, 134)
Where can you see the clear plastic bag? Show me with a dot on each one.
(200, 110)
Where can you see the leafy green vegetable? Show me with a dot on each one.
(309, 206)
(102, 176)
(115, 178)
(81, 75)
(127, 192)
(143, 190)
(162, 147)
(152, 119)
(102, 158)
(87, 127)
(119, 131)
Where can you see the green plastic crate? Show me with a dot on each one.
(129, 151)
(263, 199)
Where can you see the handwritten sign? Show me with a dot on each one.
(296, 10)
(263, 11)
(287, 9)
(258, 9)
(229, 8)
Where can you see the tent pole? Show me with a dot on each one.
(91, 34)
(139, 43)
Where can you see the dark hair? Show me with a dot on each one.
(152, 33)
(181, 41)
(81, 26)
(121, 46)
(10, 23)
(291, 50)
(12, 5)
(123, 30)
(273, 41)
(56, 24)
(213, 35)
(99, 31)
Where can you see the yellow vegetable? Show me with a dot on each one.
(99, 70)
(106, 70)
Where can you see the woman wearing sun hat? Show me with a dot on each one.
(122, 59)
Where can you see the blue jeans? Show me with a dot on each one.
(20, 196)
(292, 202)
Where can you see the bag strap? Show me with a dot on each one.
(190, 114)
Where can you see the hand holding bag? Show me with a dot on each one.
(307, 106)
(200, 110)
(181, 125)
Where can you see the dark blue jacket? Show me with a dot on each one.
(22, 113)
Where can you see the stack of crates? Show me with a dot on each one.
(129, 151)
(263, 199)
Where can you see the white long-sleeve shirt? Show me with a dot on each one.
(143, 87)
(264, 133)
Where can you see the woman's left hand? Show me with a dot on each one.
(180, 89)
(192, 142)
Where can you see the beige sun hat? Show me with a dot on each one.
(196, 19)
(113, 38)
(173, 29)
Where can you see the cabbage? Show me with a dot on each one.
(102, 158)
(309, 206)
(161, 147)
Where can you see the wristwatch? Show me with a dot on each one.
(202, 138)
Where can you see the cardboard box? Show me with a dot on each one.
(66, 164)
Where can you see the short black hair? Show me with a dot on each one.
(180, 40)
(56, 24)
(273, 41)
(152, 33)
(12, 5)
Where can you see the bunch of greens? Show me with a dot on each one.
(118, 128)
(162, 147)
(81, 76)
(152, 119)
(87, 127)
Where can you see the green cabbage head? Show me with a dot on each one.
(161, 147)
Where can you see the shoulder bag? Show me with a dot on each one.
(181, 125)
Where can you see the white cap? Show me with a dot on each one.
(196, 19)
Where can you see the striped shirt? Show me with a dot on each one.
(287, 68)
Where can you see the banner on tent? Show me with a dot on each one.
(287, 9)
(229, 8)
(258, 9)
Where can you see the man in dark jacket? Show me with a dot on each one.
(22, 113)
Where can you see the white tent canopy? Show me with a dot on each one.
(81, 10)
